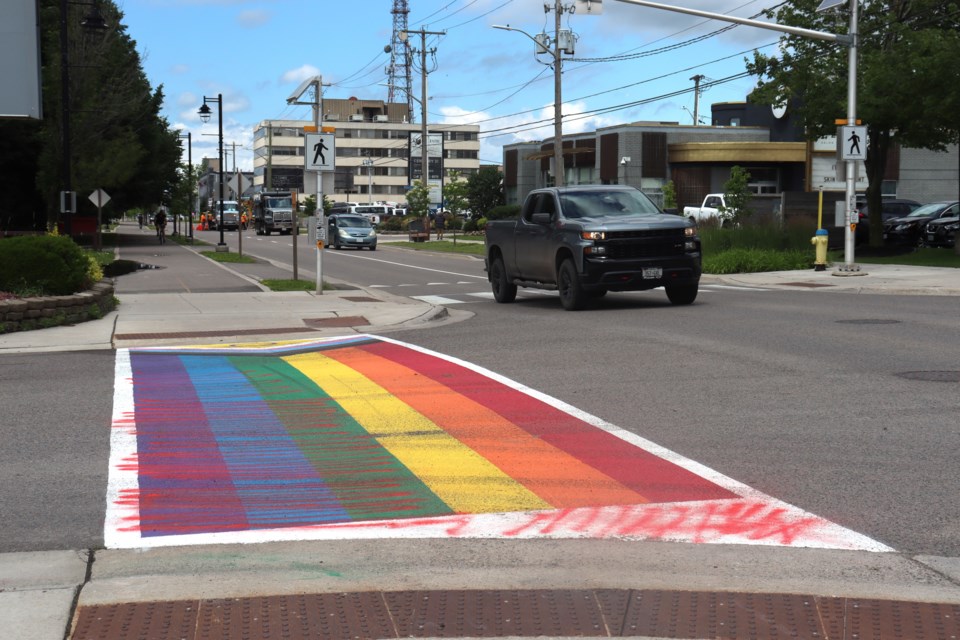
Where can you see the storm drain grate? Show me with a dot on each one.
(522, 613)
(931, 376)
(341, 321)
(809, 285)
(868, 321)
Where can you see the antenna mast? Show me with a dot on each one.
(399, 73)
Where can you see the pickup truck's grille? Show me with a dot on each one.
(626, 245)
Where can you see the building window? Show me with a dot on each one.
(763, 180)
(460, 154)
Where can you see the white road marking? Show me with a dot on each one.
(732, 287)
(357, 256)
(440, 300)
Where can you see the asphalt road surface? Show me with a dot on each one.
(827, 401)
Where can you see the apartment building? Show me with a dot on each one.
(373, 140)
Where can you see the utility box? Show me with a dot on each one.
(567, 40)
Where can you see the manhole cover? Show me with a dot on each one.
(931, 376)
(868, 321)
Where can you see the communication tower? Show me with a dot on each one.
(399, 73)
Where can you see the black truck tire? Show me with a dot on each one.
(572, 295)
(682, 293)
(503, 290)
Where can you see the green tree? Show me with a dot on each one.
(310, 205)
(907, 83)
(455, 194)
(484, 191)
(669, 195)
(119, 142)
(736, 196)
(418, 198)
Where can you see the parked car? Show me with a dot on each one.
(941, 232)
(908, 229)
(891, 208)
(351, 230)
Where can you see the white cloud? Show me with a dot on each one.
(299, 74)
(253, 18)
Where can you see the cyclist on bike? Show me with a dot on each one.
(160, 222)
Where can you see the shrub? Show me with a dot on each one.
(469, 225)
(49, 265)
(769, 237)
(390, 223)
(754, 260)
(481, 224)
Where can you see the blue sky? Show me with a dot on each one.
(256, 53)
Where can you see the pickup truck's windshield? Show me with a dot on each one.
(616, 202)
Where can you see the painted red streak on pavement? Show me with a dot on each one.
(649, 475)
(701, 523)
(729, 521)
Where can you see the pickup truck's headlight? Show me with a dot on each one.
(690, 232)
(593, 235)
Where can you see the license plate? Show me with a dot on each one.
(931, 237)
(651, 273)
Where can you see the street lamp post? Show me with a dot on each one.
(559, 170)
(205, 117)
(849, 39)
(368, 163)
(93, 21)
(189, 137)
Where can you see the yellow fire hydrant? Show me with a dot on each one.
(820, 242)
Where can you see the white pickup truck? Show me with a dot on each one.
(709, 210)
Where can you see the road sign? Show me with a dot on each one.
(239, 183)
(99, 198)
(319, 151)
(853, 143)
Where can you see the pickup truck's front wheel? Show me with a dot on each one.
(682, 293)
(572, 295)
(503, 289)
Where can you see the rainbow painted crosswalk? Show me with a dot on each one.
(367, 437)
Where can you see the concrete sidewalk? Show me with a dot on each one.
(183, 297)
(188, 299)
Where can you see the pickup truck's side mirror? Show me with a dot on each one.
(541, 218)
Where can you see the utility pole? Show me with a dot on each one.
(696, 98)
(424, 156)
(559, 171)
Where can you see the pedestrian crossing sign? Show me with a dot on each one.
(319, 151)
(853, 142)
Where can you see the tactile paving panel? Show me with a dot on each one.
(522, 613)
(494, 614)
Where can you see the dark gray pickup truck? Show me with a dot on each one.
(587, 240)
